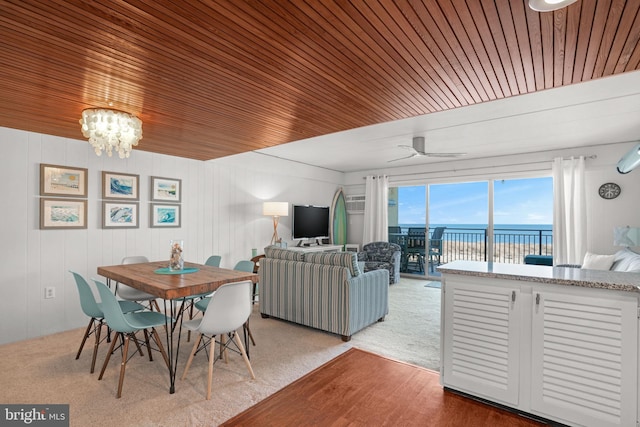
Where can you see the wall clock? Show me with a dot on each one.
(609, 190)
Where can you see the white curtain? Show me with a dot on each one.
(376, 209)
(569, 211)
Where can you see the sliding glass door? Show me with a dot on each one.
(464, 223)
(458, 219)
(523, 218)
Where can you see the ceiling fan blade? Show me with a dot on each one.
(418, 150)
(404, 158)
(444, 154)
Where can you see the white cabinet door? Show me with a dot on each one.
(584, 358)
(481, 340)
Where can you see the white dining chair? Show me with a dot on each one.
(128, 293)
(228, 309)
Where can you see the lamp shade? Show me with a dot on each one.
(626, 236)
(549, 5)
(275, 208)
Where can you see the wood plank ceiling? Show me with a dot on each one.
(219, 77)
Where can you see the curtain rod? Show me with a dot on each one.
(592, 156)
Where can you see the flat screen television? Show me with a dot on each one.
(310, 222)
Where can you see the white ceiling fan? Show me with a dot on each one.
(418, 150)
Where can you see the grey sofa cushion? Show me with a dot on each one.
(285, 254)
(341, 259)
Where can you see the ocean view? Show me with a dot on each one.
(476, 227)
(503, 233)
(512, 242)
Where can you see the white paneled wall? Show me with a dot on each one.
(221, 214)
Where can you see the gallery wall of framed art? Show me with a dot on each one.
(64, 199)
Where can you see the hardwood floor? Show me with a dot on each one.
(359, 388)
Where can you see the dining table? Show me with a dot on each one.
(173, 287)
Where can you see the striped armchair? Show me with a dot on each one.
(325, 291)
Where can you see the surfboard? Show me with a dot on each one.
(339, 219)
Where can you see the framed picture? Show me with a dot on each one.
(165, 215)
(63, 213)
(119, 215)
(120, 186)
(166, 189)
(62, 181)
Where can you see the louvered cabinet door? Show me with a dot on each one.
(585, 358)
(481, 341)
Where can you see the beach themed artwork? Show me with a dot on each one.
(166, 189)
(63, 181)
(166, 216)
(63, 213)
(119, 215)
(120, 186)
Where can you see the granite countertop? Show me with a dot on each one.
(614, 280)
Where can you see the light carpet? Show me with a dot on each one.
(43, 370)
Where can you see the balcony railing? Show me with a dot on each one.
(510, 245)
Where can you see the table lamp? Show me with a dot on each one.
(275, 210)
(626, 236)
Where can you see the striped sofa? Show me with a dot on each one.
(325, 291)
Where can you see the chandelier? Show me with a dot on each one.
(111, 130)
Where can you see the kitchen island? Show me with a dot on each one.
(559, 343)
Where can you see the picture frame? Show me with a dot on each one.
(120, 186)
(63, 213)
(165, 215)
(63, 181)
(120, 214)
(166, 189)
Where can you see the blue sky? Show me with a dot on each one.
(516, 201)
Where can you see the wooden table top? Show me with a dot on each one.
(171, 286)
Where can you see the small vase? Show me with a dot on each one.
(176, 261)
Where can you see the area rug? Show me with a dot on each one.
(44, 369)
(432, 285)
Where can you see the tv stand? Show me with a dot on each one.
(308, 244)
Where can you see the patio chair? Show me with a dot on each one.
(416, 248)
(435, 247)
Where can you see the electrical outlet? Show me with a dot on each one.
(50, 292)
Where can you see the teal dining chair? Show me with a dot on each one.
(126, 325)
(213, 261)
(229, 309)
(93, 309)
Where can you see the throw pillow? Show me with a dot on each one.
(626, 260)
(597, 262)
